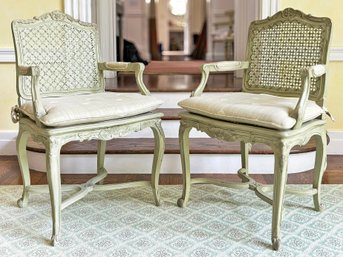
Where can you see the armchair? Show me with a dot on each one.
(62, 98)
(281, 105)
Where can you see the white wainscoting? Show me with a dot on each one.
(7, 140)
(216, 163)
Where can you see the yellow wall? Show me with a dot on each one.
(333, 10)
(15, 9)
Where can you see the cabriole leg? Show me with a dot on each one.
(280, 179)
(21, 143)
(157, 161)
(245, 149)
(54, 181)
(319, 168)
(101, 160)
(186, 176)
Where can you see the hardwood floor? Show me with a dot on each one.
(10, 175)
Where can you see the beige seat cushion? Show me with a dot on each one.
(256, 109)
(88, 108)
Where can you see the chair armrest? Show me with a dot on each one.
(136, 67)
(38, 108)
(216, 67)
(28, 71)
(306, 74)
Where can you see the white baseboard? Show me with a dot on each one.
(335, 146)
(214, 163)
(171, 164)
(7, 142)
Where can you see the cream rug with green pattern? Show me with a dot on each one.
(217, 222)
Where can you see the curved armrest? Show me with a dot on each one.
(136, 67)
(216, 67)
(38, 108)
(306, 74)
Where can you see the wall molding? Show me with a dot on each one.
(7, 54)
(7, 142)
(336, 54)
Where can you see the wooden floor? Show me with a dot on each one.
(10, 175)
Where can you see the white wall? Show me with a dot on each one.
(162, 18)
(214, 9)
(135, 25)
(196, 17)
(246, 11)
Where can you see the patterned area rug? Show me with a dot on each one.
(217, 222)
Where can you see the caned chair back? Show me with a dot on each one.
(279, 47)
(65, 50)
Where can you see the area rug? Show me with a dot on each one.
(217, 222)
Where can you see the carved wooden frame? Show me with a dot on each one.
(280, 141)
(53, 138)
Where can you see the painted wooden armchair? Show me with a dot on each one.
(61, 98)
(281, 104)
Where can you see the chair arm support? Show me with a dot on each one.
(136, 67)
(38, 108)
(216, 67)
(306, 75)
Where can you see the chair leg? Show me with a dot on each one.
(54, 181)
(101, 172)
(319, 168)
(245, 149)
(280, 179)
(24, 167)
(186, 175)
(157, 161)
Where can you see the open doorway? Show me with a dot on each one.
(179, 25)
(135, 22)
(198, 29)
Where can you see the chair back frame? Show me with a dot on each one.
(66, 52)
(279, 47)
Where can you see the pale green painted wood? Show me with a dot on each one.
(157, 161)
(186, 174)
(101, 171)
(319, 167)
(52, 155)
(21, 142)
(265, 73)
(33, 67)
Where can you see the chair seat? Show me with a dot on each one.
(89, 108)
(256, 109)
